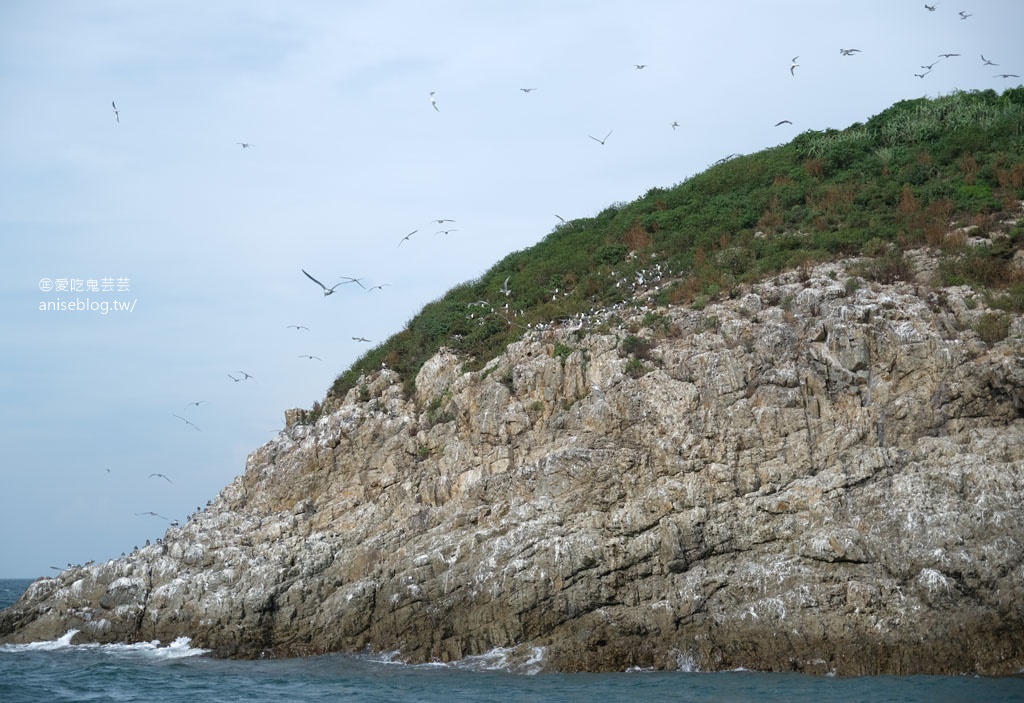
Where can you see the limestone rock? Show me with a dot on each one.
(802, 479)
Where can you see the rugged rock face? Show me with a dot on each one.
(811, 476)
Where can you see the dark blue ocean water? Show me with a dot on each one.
(175, 672)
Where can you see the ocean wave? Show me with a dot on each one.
(180, 648)
(515, 660)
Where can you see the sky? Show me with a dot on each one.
(199, 243)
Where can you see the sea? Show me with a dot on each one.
(166, 672)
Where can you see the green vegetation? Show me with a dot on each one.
(906, 178)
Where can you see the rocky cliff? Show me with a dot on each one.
(817, 474)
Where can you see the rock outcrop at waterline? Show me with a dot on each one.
(809, 476)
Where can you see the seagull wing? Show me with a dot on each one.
(316, 281)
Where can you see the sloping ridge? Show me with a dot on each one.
(815, 475)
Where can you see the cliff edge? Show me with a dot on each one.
(817, 474)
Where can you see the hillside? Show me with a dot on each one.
(906, 178)
(771, 418)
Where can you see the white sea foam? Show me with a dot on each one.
(498, 659)
(178, 649)
(506, 659)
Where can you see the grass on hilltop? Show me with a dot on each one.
(905, 178)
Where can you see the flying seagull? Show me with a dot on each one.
(163, 477)
(298, 327)
(929, 66)
(378, 286)
(781, 122)
(561, 219)
(434, 102)
(246, 377)
(948, 56)
(849, 52)
(360, 339)
(150, 512)
(793, 65)
(639, 66)
(445, 231)
(964, 15)
(185, 421)
(244, 145)
(117, 113)
(1006, 75)
(236, 380)
(310, 357)
(349, 279)
(988, 62)
(504, 287)
(527, 90)
(930, 8)
(327, 291)
(602, 141)
(441, 220)
(674, 125)
(922, 75)
(196, 403)
(407, 236)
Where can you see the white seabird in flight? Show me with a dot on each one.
(793, 65)
(602, 141)
(327, 291)
(117, 113)
(163, 477)
(186, 421)
(434, 102)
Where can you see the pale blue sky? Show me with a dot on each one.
(348, 156)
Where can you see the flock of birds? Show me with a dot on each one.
(445, 229)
